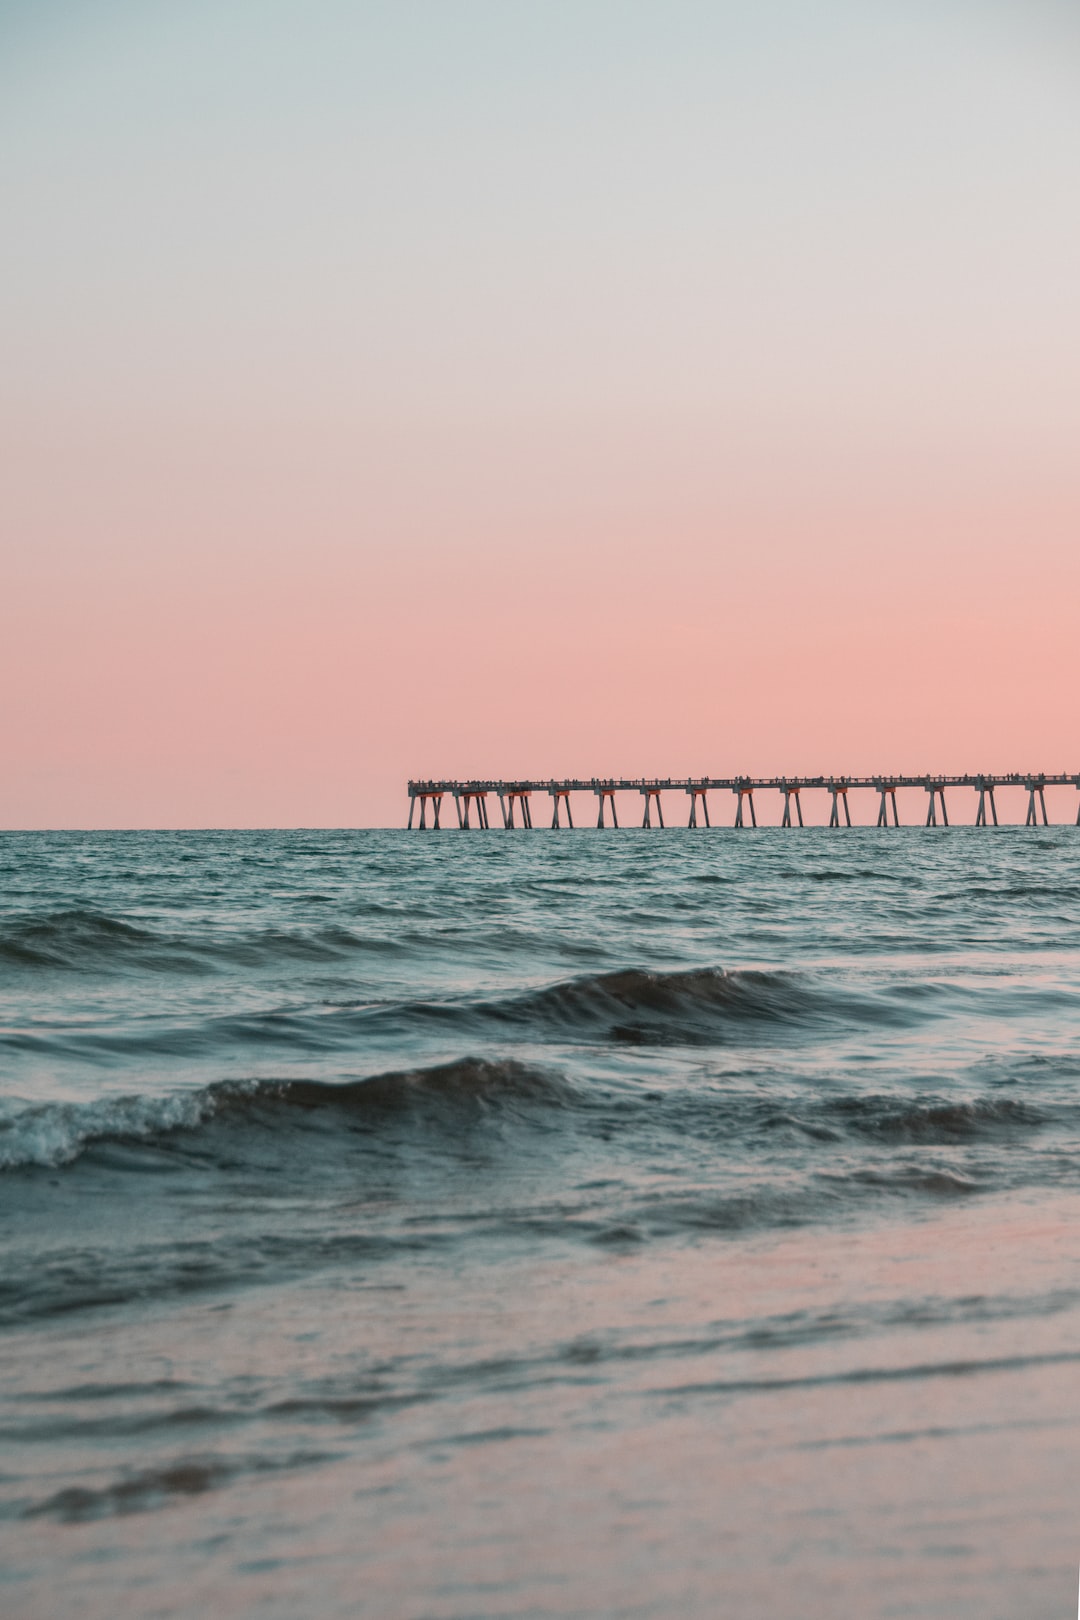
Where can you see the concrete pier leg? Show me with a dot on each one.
(785, 820)
(646, 820)
(1042, 802)
(554, 810)
(659, 809)
(693, 811)
(566, 806)
(600, 816)
(980, 814)
(614, 812)
(753, 817)
(738, 813)
(882, 815)
(705, 807)
(895, 816)
(834, 815)
(423, 812)
(931, 814)
(798, 807)
(437, 804)
(1029, 820)
(993, 807)
(412, 807)
(944, 812)
(847, 812)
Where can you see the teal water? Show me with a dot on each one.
(546, 1224)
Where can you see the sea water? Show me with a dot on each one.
(547, 1224)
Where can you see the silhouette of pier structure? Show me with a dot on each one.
(470, 799)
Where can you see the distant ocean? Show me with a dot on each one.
(540, 1224)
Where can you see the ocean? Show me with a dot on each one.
(540, 1224)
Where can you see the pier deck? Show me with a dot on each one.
(470, 798)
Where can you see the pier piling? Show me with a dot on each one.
(790, 793)
(745, 790)
(608, 794)
(557, 794)
(887, 790)
(697, 793)
(986, 796)
(650, 793)
(936, 791)
(1035, 786)
(839, 791)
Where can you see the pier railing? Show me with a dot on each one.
(470, 798)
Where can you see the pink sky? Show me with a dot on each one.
(578, 404)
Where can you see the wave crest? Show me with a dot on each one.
(79, 940)
(686, 1006)
(50, 1135)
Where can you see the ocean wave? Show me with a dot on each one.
(932, 1119)
(692, 1004)
(637, 1006)
(149, 1488)
(51, 1135)
(456, 1093)
(630, 1006)
(633, 1006)
(80, 940)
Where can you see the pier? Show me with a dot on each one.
(470, 799)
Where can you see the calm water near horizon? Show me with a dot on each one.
(548, 1225)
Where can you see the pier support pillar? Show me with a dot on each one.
(789, 794)
(746, 793)
(649, 794)
(558, 794)
(887, 790)
(606, 795)
(986, 797)
(695, 794)
(471, 800)
(838, 791)
(436, 800)
(507, 799)
(936, 791)
(1035, 787)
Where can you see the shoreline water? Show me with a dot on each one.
(629, 1226)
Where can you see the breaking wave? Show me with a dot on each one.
(50, 1135)
(449, 1096)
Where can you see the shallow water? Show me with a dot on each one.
(540, 1224)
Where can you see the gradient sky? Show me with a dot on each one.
(482, 386)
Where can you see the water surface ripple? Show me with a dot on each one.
(540, 1224)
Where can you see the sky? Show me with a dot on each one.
(497, 387)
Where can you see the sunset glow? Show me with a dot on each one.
(395, 390)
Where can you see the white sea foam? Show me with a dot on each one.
(53, 1134)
